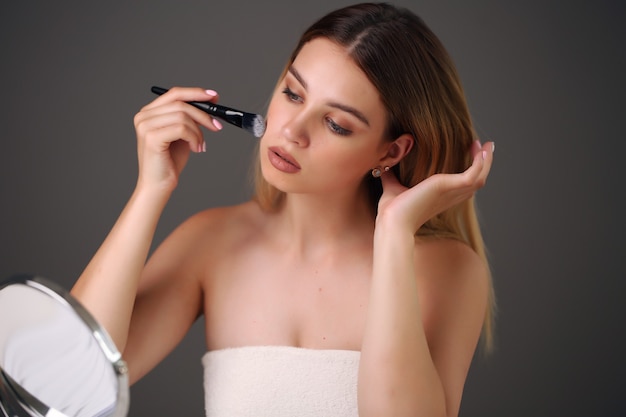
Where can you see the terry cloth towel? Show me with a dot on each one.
(280, 381)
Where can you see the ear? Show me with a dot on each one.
(397, 150)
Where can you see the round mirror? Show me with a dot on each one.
(55, 360)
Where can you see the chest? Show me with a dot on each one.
(276, 299)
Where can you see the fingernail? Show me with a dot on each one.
(493, 147)
(203, 146)
(484, 154)
(211, 92)
(217, 124)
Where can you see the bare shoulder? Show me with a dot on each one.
(230, 219)
(208, 236)
(223, 224)
(442, 261)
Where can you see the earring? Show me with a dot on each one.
(377, 172)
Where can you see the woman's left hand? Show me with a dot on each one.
(410, 208)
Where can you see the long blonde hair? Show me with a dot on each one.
(422, 93)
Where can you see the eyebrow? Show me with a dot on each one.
(334, 104)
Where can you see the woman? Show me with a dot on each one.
(355, 282)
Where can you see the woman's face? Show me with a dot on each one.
(325, 124)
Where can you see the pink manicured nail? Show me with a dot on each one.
(217, 124)
(484, 154)
(203, 146)
(211, 92)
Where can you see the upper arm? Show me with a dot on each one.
(453, 299)
(169, 299)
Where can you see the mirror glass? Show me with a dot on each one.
(55, 360)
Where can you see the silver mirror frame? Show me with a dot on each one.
(20, 399)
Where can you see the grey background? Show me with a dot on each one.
(545, 80)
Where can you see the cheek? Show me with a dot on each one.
(345, 166)
(275, 114)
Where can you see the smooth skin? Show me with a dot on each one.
(322, 272)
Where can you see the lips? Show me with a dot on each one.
(283, 155)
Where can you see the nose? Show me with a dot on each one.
(295, 129)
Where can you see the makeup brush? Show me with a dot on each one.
(250, 122)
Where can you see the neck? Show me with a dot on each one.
(316, 224)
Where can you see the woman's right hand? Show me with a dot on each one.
(168, 129)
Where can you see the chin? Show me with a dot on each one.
(274, 177)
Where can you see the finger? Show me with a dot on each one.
(159, 132)
(476, 147)
(194, 113)
(179, 123)
(471, 174)
(158, 121)
(184, 94)
(487, 151)
(160, 139)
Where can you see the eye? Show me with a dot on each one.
(291, 95)
(335, 128)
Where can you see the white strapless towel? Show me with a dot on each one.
(280, 381)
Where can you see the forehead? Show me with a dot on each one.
(331, 74)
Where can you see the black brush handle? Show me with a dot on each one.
(230, 115)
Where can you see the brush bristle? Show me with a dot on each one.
(254, 123)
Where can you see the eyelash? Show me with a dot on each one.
(334, 127)
(291, 95)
